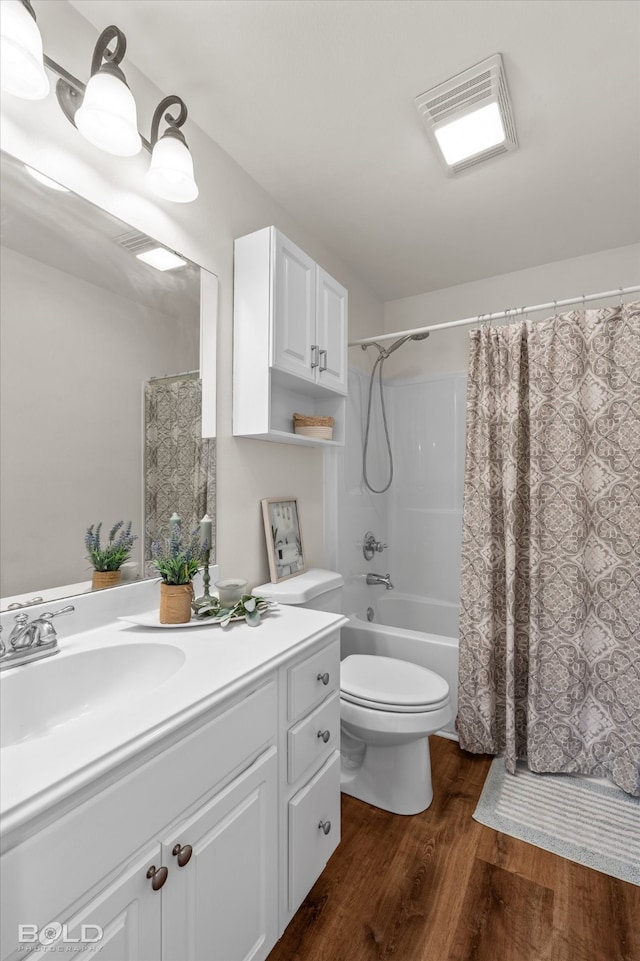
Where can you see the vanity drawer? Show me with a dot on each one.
(310, 681)
(306, 747)
(314, 829)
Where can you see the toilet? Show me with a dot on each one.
(388, 709)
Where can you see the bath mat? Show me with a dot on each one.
(587, 821)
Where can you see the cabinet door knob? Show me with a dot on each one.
(325, 826)
(325, 735)
(323, 366)
(157, 876)
(183, 854)
(324, 678)
(314, 355)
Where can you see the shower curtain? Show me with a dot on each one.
(550, 602)
(180, 466)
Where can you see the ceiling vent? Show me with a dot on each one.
(135, 241)
(468, 118)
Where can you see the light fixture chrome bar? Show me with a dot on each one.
(509, 314)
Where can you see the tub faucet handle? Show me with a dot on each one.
(370, 546)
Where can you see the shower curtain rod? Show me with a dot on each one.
(501, 315)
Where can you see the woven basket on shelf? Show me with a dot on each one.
(309, 425)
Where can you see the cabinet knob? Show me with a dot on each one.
(314, 355)
(183, 854)
(324, 678)
(322, 366)
(325, 826)
(325, 735)
(157, 876)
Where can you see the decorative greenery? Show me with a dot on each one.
(249, 606)
(176, 558)
(114, 554)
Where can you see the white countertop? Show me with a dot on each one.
(40, 772)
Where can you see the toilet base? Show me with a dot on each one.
(395, 778)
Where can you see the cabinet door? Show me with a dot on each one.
(122, 923)
(294, 309)
(331, 332)
(223, 904)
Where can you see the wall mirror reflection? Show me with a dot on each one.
(100, 389)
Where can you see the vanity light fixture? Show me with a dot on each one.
(104, 111)
(469, 118)
(171, 171)
(107, 117)
(161, 258)
(22, 70)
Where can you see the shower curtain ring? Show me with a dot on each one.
(621, 293)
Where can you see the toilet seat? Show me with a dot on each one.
(389, 684)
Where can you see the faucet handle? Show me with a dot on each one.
(63, 610)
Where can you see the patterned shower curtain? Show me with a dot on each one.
(180, 466)
(550, 605)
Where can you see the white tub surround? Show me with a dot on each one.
(202, 758)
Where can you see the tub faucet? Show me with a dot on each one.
(380, 579)
(31, 640)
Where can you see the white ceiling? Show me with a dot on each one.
(314, 99)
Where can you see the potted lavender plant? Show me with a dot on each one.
(177, 559)
(107, 559)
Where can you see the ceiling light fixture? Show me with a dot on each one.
(469, 118)
(104, 110)
(161, 258)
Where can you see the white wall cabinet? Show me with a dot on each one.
(203, 850)
(290, 340)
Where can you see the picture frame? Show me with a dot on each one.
(283, 535)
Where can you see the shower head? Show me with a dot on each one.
(402, 340)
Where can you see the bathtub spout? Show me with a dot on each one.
(380, 579)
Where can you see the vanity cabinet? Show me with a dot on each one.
(201, 847)
(290, 340)
(201, 883)
(310, 773)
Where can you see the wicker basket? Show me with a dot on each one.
(309, 425)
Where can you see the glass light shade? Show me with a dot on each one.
(471, 134)
(107, 117)
(170, 173)
(22, 70)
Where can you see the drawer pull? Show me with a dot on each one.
(325, 826)
(324, 678)
(325, 735)
(157, 876)
(183, 854)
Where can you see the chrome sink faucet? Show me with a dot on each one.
(31, 640)
(380, 579)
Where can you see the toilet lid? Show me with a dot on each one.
(389, 684)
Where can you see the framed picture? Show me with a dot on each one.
(284, 537)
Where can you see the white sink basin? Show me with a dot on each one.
(39, 697)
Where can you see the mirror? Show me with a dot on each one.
(85, 326)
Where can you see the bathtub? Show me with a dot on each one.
(413, 629)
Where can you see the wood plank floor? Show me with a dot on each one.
(441, 887)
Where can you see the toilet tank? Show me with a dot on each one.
(316, 589)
